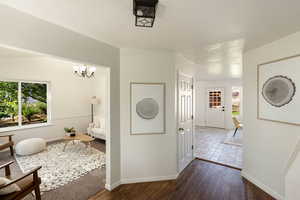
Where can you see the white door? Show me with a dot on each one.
(185, 120)
(215, 108)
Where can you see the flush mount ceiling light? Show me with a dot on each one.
(84, 71)
(144, 11)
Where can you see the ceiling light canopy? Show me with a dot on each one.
(144, 11)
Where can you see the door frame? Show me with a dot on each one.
(108, 179)
(177, 116)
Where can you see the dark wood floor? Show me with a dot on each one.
(199, 181)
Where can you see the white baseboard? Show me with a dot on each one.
(262, 186)
(199, 125)
(110, 187)
(149, 179)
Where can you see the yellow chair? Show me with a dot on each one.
(237, 124)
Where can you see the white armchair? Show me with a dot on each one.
(97, 129)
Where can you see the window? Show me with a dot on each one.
(215, 99)
(23, 104)
(9, 104)
(236, 101)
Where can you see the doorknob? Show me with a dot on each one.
(181, 131)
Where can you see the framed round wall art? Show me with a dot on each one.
(277, 91)
(147, 108)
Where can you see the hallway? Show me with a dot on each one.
(219, 146)
(200, 180)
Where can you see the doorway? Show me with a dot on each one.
(216, 103)
(62, 102)
(237, 107)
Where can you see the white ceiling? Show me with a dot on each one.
(220, 61)
(204, 31)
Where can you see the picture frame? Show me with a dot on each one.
(147, 108)
(277, 97)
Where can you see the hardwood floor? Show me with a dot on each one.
(199, 181)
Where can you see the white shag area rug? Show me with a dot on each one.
(59, 167)
(237, 140)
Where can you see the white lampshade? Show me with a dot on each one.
(92, 69)
(82, 68)
(75, 68)
(95, 101)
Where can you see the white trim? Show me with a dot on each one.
(24, 80)
(112, 186)
(149, 179)
(72, 117)
(177, 118)
(19, 106)
(49, 101)
(184, 74)
(41, 125)
(20, 128)
(262, 186)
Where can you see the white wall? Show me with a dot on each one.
(267, 145)
(184, 65)
(201, 100)
(100, 90)
(148, 157)
(30, 33)
(70, 95)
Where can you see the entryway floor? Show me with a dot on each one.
(209, 145)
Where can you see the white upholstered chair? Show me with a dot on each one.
(97, 128)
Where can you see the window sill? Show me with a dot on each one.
(9, 129)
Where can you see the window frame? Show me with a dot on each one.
(20, 126)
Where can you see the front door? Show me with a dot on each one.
(185, 120)
(215, 108)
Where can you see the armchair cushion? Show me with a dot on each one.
(23, 184)
(98, 130)
(9, 189)
(99, 122)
